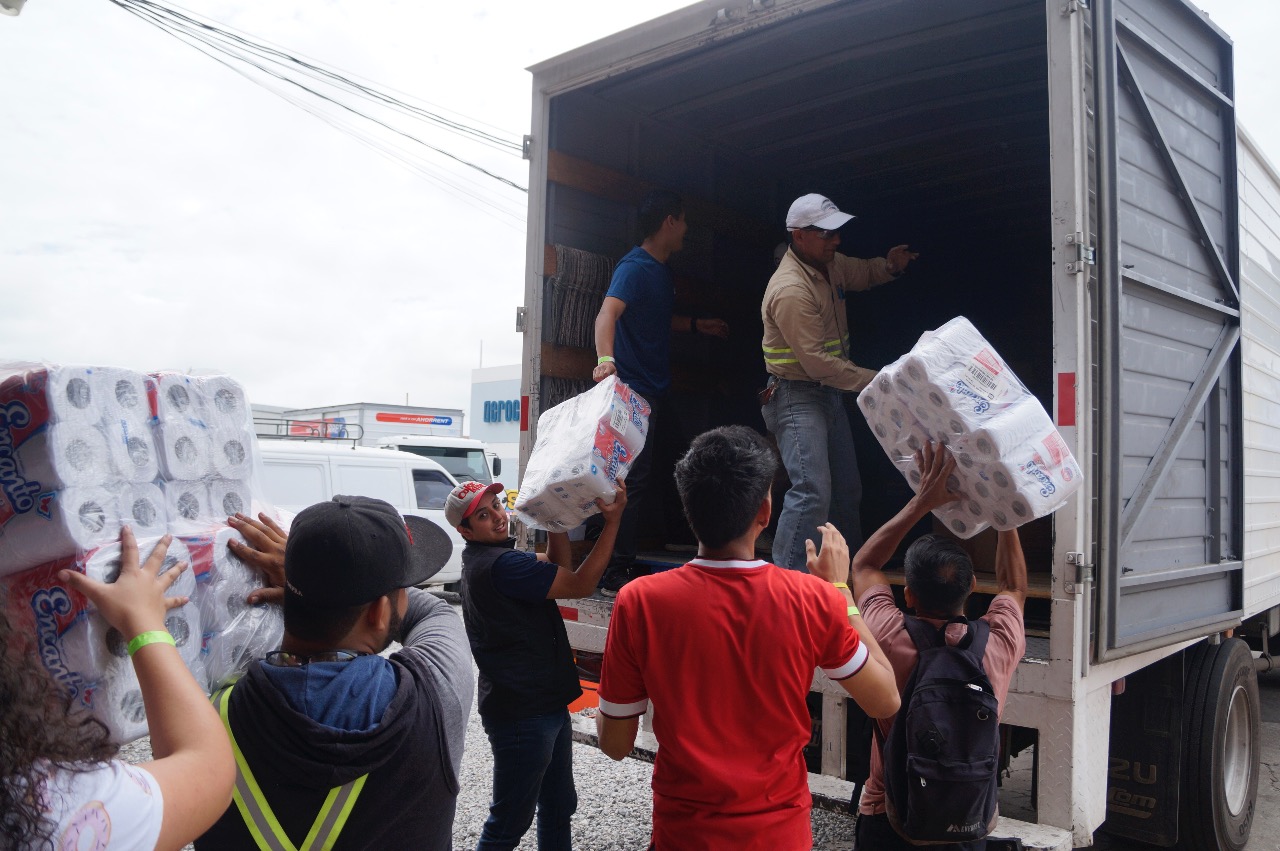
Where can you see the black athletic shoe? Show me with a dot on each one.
(615, 576)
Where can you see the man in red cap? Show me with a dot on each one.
(527, 673)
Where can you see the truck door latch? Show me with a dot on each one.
(1079, 574)
(1084, 253)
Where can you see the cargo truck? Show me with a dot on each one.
(1074, 178)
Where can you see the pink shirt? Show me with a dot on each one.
(1005, 648)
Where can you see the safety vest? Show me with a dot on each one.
(257, 814)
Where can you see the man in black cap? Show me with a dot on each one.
(326, 732)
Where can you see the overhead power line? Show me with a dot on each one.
(319, 89)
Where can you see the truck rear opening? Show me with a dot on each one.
(934, 132)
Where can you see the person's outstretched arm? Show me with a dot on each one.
(872, 684)
(193, 763)
(1011, 568)
(936, 466)
(571, 583)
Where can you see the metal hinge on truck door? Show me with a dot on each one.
(1080, 575)
(1084, 253)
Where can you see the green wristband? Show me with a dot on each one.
(853, 610)
(155, 636)
(604, 359)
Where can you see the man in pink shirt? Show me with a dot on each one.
(940, 579)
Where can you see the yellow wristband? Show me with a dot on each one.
(604, 359)
(844, 585)
(155, 636)
(853, 610)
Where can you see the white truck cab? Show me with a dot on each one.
(298, 474)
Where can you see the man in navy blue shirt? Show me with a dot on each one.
(527, 672)
(633, 341)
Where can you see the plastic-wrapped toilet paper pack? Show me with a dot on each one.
(185, 451)
(224, 400)
(229, 496)
(187, 503)
(133, 449)
(175, 398)
(250, 635)
(143, 507)
(55, 617)
(66, 455)
(52, 393)
(584, 446)
(122, 394)
(1012, 465)
(230, 451)
(61, 524)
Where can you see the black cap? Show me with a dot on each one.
(354, 549)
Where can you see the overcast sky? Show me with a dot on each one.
(159, 211)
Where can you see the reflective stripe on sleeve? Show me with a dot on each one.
(846, 670)
(623, 710)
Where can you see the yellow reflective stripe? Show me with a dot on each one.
(328, 824)
(352, 791)
(224, 697)
(782, 360)
(782, 350)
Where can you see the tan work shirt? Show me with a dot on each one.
(806, 333)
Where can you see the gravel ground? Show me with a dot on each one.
(614, 800)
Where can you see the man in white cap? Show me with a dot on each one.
(527, 673)
(806, 352)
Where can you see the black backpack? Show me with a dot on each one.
(942, 750)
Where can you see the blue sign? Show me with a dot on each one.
(507, 410)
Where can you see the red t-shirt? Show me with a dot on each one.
(726, 651)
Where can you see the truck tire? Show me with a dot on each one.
(1220, 747)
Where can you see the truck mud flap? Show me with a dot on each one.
(1144, 769)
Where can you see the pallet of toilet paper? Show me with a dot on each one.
(1012, 465)
(584, 446)
(86, 450)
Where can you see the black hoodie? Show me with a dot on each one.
(412, 755)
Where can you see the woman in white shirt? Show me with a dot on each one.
(59, 786)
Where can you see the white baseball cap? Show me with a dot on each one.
(816, 211)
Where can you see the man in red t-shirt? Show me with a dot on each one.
(725, 648)
(939, 580)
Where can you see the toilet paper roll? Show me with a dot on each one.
(117, 703)
(177, 398)
(1017, 428)
(122, 394)
(229, 496)
(67, 454)
(224, 401)
(185, 453)
(229, 581)
(231, 452)
(253, 633)
(62, 524)
(133, 449)
(104, 563)
(183, 623)
(188, 506)
(72, 395)
(143, 507)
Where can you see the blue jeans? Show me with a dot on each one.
(812, 430)
(532, 769)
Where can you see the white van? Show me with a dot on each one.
(299, 474)
(465, 458)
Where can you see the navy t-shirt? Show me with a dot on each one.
(642, 337)
(520, 576)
